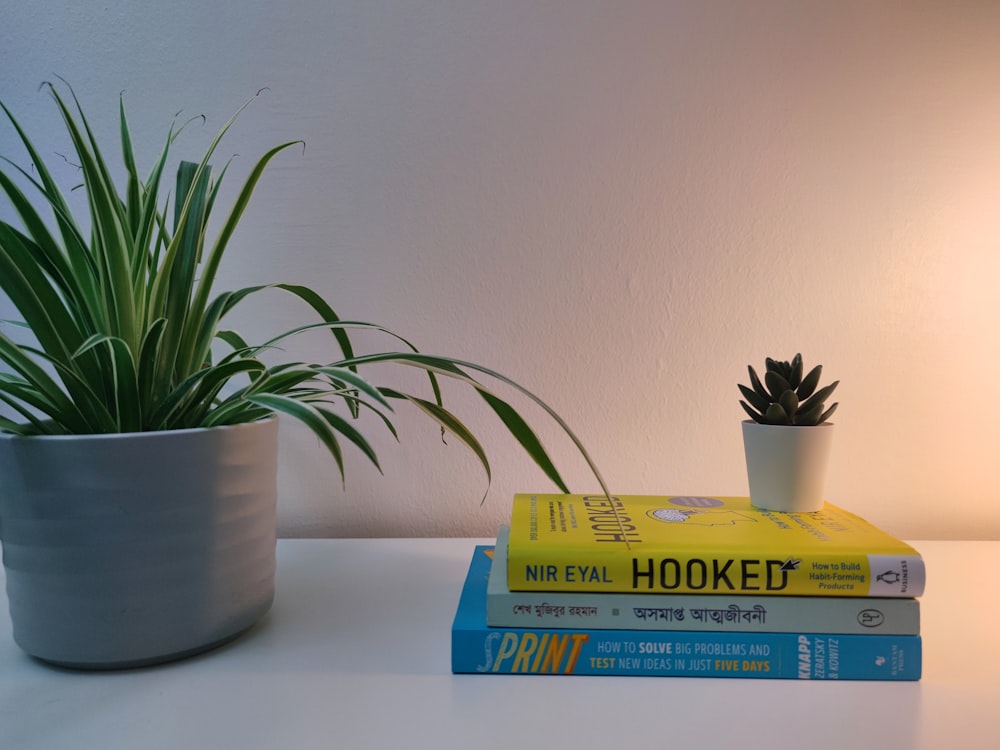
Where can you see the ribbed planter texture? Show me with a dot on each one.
(787, 465)
(133, 549)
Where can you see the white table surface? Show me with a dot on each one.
(355, 654)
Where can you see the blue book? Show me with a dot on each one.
(478, 648)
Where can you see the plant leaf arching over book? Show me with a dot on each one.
(786, 397)
(125, 321)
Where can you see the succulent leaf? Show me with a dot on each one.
(809, 417)
(760, 403)
(789, 402)
(776, 414)
(820, 396)
(826, 415)
(776, 384)
(809, 382)
(755, 416)
(796, 376)
(778, 367)
(757, 385)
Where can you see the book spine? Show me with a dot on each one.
(828, 575)
(804, 656)
(762, 614)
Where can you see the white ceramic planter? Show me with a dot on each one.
(132, 549)
(787, 465)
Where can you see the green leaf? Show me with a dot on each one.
(214, 257)
(307, 415)
(825, 416)
(207, 330)
(49, 255)
(789, 402)
(180, 266)
(820, 396)
(325, 312)
(341, 375)
(795, 376)
(235, 341)
(349, 362)
(57, 405)
(757, 385)
(111, 241)
(776, 414)
(776, 384)
(28, 402)
(32, 294)
(810, 416)
(282, 378)
(452, 424)
(125, 382)
(91, 404)
(759, 402)
(755, 416)
(345, 428)
(809, 382)
(149, 355)
(525, 436)
(72, 237)
(452, 368)
(189, 404)
(133, 190)
(8, 425)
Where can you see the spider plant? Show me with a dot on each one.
(128, 333)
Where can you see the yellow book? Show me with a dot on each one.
(709, 545)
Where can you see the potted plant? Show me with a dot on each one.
(138, 448)
(787, 439)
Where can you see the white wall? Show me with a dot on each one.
(619, 204)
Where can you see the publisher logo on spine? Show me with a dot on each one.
(870, 618)
(892, 575)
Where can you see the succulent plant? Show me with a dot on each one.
(786, 396)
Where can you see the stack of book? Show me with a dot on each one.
(689, 586)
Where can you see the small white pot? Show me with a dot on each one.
(787, 465)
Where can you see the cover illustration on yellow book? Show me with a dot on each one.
(710, 545)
